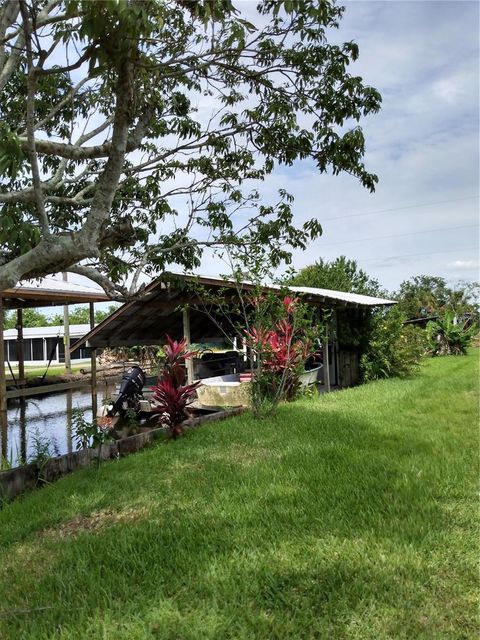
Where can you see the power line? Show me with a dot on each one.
(401, 235)
(429, 253)
(412, 206)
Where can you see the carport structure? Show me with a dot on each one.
(45, 292)
(175, 305)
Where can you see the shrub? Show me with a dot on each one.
(445, 337)
(394, 348)
(280, 354)
(171, 396)
(88, 434)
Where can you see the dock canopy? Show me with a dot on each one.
(41, 292)
(48, 292)
(160, 310)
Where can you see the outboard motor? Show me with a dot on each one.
(130, 392)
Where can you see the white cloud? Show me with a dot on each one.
(464, 264)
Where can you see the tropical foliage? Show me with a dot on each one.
(386, 346)
(394, 348)
(449, 336)
(424, 296)
(87, 433)
(341, 274)
(171, 396)
(280, 341)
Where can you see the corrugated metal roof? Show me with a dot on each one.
(58, 286)
(50, 291)
(147, 320)
(76, 331)
(344, 296)
(329, 294)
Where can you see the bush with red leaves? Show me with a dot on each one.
(171, 396)
(281, 353)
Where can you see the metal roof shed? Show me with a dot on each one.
(49, 292)
(42, 292)
(158, 311)
(172, 305)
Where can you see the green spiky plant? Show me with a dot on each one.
(449, 337)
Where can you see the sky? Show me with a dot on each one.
(423, 57)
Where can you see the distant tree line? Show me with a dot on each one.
(419, 297)
(388, 343)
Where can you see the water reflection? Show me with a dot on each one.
(50, 416)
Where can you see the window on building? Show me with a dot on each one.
(12, 350)
(37, 349)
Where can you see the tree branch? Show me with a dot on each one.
(8, 14)
(59, 252)
(77, 152)
(58, 107)
(113, 291)
(107, 183)
(31, 86)
(7, 70)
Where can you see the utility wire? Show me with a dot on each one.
(400, 235)
(412, 206)
(406, 255)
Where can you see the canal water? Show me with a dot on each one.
(47, 419)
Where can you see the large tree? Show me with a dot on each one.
(110, 111)
(341, 274)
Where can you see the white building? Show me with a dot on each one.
(43, 343)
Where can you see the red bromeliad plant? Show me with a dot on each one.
(280, 354)
(171, 396)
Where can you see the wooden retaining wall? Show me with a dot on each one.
(15, 481)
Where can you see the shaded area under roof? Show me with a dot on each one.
(159, 312)
(49, 291)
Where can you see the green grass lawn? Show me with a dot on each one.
(33, 371)
(351, 515)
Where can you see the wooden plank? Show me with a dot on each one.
(20, 348)
(336, 349)
(47, 388)
(326, 361)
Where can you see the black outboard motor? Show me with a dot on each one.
(130, 392)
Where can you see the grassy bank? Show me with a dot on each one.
(350, 515)
(32, 371)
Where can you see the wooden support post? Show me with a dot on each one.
(337, 350)
(326, 361)
(3, 386)
(3, 434)
(20, 349)
(23, 430)
(66, 335)
(186, 335)
(244, 351)
(69, 421)
(93, 366)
